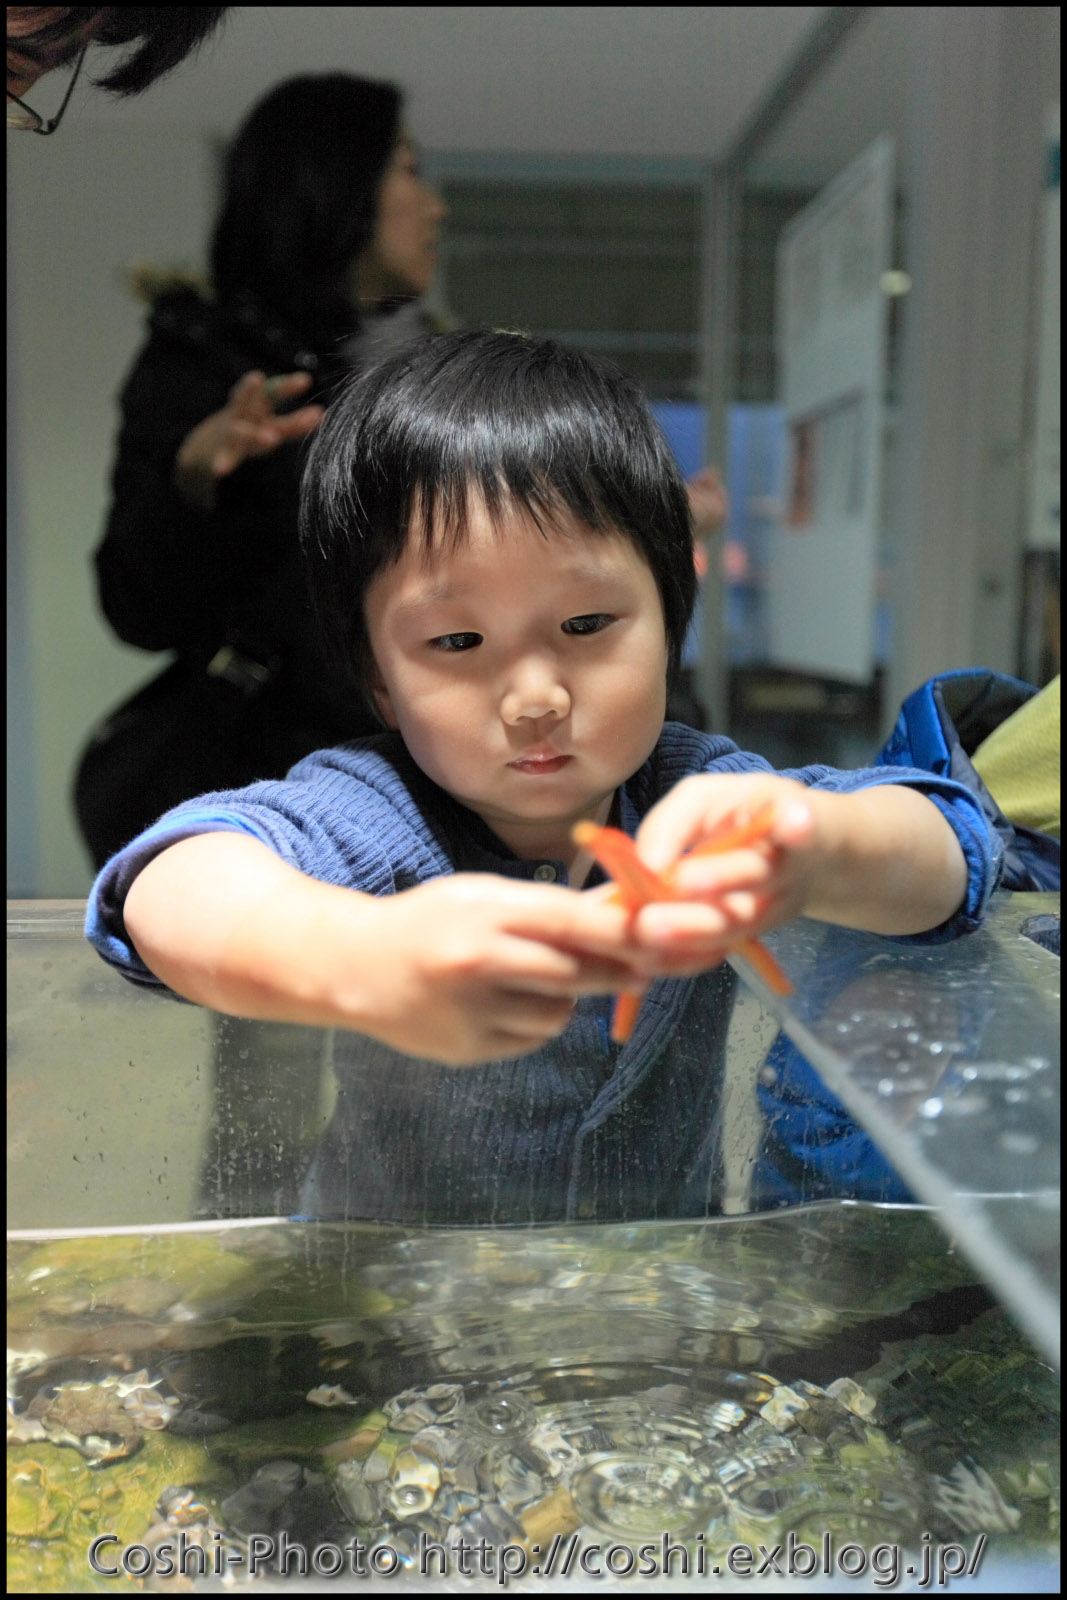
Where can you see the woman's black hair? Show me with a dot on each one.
(301, 196)
(515, 420)
(164, 35)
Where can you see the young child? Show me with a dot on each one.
(499, 551)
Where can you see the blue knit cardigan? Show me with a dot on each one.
(580, 1129)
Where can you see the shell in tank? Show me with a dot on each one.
(414, 1480)
(418, 1408)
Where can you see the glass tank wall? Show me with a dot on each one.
(187, 1362)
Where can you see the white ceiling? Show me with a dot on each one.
(665, 81)
(860, 93)
(673, 83)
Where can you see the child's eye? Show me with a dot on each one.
(456, 641)
(593, 623)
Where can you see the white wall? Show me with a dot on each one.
(73, 329)
(964, 90)
(979, 92)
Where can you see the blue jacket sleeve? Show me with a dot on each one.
(105, 927)
(322, 820)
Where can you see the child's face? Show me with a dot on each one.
(526, 672)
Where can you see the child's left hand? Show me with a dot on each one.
(737, 894)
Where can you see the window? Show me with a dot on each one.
(610, 266)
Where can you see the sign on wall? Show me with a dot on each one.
(831, 315)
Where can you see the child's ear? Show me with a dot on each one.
(380, 696)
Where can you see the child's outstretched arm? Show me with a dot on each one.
(881, 858)
(463, 969)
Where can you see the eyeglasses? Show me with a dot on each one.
(20, 115)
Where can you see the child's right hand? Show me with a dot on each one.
(463, 969)
(473, 967)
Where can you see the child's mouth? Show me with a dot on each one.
(540, 764)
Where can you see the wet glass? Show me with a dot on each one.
(948, 1055)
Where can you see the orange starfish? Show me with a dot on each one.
(637, 885)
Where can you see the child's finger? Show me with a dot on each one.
(685, 963)
(533, 1017)
(693, 809)
(700, 876)
(785, 820)
(536, 968)
(603, 893)
(744, 914)
(687, 922)
(583, 924)
(794, 822)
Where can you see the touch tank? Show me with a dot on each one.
(573, 1405)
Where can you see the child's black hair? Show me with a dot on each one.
(517, 420)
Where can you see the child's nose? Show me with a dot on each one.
(534, 690)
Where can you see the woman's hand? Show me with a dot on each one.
(246, 426)
(708, 504)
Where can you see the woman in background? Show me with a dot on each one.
(323, 246)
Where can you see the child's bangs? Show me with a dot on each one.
(439, 515)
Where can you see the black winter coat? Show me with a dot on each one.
(172, 577)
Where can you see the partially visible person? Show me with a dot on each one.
(1019, 762)
(708, 510)
(323, 247)
(41, 39)
(1001, 737)
(708, 507)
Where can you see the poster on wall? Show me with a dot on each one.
(831, 316)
